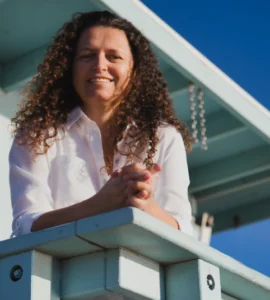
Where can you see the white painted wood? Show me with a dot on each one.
(38, 280)
(227, 297)
(136, 231)
(133, 276)
(111, 274)
(58, 241)
(160, 242)
(5, 210)
(41, 279)
(83, 277)
(191, 281)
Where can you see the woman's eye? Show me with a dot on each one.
(86, 56)
(115, 57)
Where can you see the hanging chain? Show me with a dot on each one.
(202, 120)
(192, 103)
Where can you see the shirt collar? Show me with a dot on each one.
(77, 114)
(74, 116)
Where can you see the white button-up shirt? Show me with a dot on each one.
(73, 170)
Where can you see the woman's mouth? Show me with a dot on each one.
(99, 79)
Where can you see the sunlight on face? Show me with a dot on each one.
(102, 66)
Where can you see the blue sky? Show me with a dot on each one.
(234, 35)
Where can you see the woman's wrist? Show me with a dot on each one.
(156, 211)
(96, 205)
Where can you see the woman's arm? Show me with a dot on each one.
(32, 201)
(95, 205)
(68, 214)
(112, 196)
(171, 189)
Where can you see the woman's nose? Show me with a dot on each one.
(100, 63)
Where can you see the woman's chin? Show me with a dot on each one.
(99, 98)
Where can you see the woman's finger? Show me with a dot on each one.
(156, 168)
(116, 173)
(132, 168)
(142, 194)
(142, 175)
(137, 186)
(138, 203)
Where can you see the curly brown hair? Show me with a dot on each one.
(50, 96)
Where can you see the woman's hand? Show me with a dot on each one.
(114, 193)
(140, 189)
(140, 183)
(140, 194)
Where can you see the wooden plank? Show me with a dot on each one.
(229, 169)
(240, 216)
(115, 229)
(83, 277)
(227, 297)
(111, 274)
(134, 276)
(59, 241)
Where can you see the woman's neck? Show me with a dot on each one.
(101, 116)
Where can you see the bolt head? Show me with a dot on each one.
(16, 273)
(210, 282)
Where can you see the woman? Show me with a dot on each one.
(96, 128)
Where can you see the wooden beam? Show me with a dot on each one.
(242, 215)
(223, 130)
(175, 80)
(229, 169)
(244, 193)
(17, 73)
(116, 271)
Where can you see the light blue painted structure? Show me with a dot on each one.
(122, 253)
(127, 252)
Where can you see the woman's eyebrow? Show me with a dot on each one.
(113, 50)
(86, 49)
(110, 50)
(96, 49)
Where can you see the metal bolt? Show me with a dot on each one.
(210, 282)
(16, 273)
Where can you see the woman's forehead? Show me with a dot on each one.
(103, 37)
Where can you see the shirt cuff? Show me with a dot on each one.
(184, 225)
(23, 224)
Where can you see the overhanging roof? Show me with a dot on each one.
(231, 179)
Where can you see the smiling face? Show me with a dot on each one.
(102, 65)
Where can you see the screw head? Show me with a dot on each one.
(16, 273)
(210, 282)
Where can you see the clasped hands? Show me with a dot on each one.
(133, 185)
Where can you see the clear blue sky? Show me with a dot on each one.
(234, 35)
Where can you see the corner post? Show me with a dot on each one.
(193, 280)
(30, 275)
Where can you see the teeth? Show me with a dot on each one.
(99, 79)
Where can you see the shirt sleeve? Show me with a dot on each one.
(171, 190)
(30, 192)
